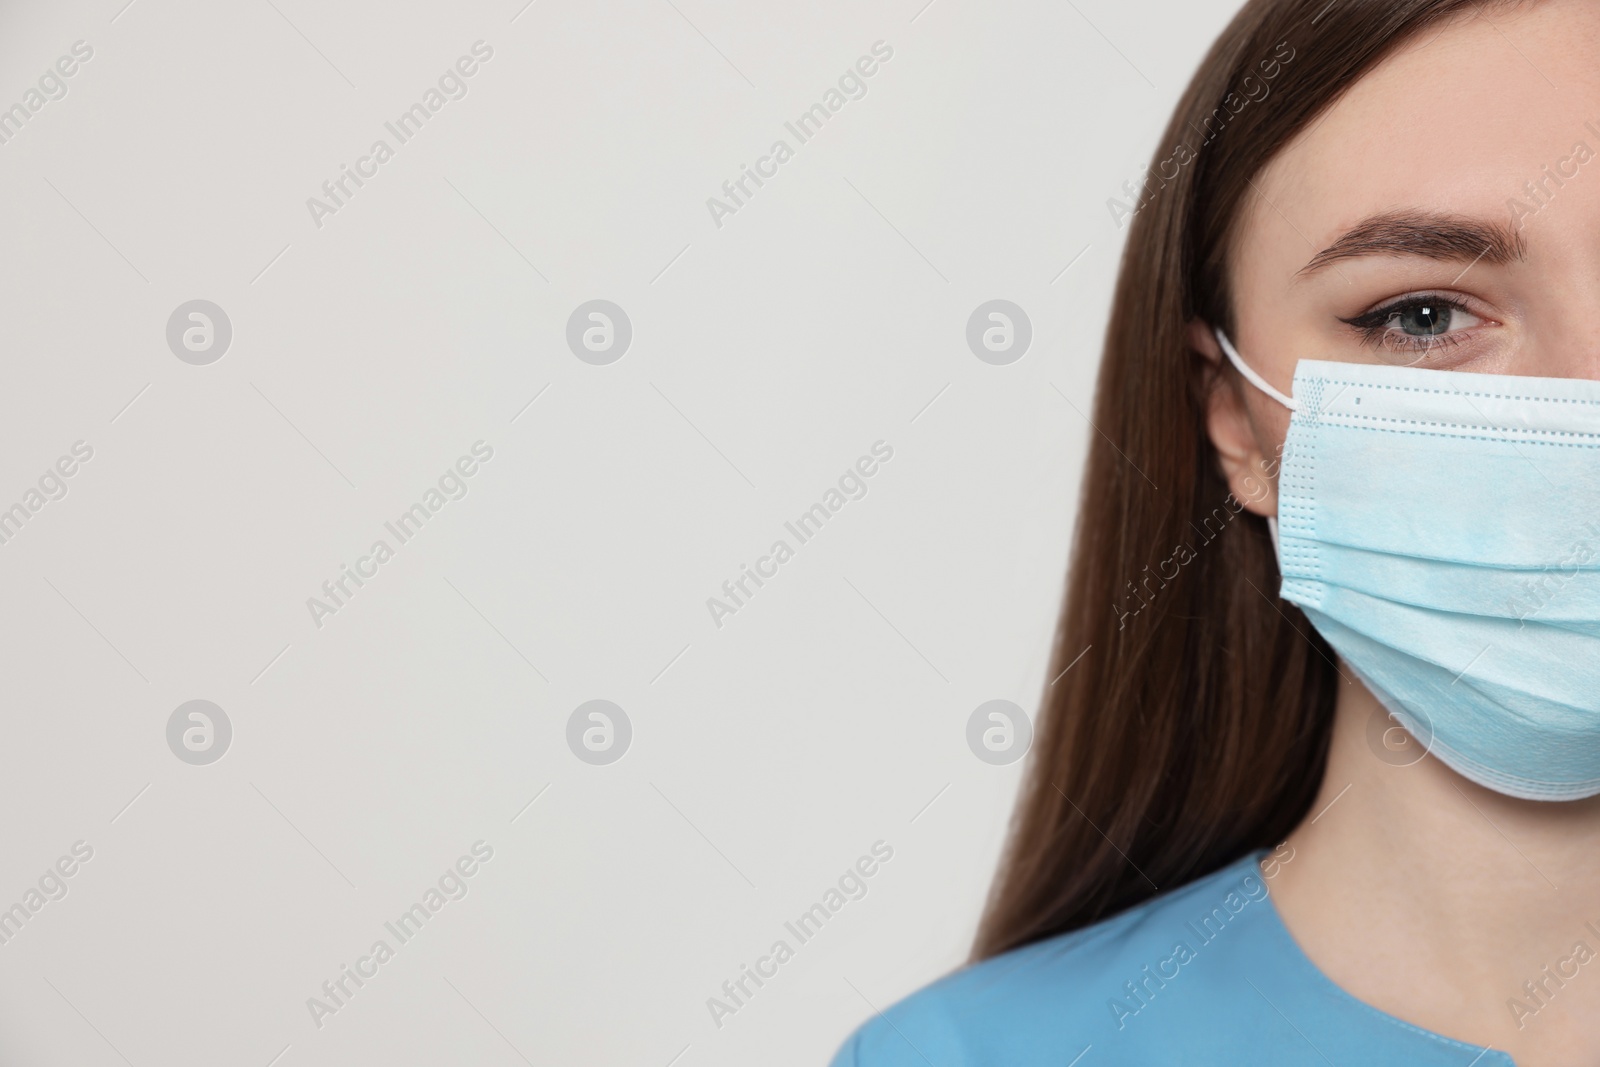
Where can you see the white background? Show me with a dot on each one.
(370, 352)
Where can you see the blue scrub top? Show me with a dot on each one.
(1204, 974)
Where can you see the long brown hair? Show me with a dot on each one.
(1189, 718)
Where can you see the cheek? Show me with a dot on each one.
(1271, 422)
(1270, 427)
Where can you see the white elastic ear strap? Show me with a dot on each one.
(1250, 375)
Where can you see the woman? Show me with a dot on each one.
(1323, 789)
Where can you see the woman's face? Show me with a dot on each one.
(1444, 214)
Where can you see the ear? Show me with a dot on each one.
(1232, 430)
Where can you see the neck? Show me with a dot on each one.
(1444, 903)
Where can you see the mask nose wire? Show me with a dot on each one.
(1250, 375)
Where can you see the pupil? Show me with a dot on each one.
(1425, 320)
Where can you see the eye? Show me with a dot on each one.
(1425, 320)
(1419, 323)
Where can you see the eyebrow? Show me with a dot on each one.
(1432, 235)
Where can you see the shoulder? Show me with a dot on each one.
(1046, 1003)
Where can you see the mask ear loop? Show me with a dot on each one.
(1266, 387)
(1250, 375)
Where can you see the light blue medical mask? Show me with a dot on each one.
(1441, 530)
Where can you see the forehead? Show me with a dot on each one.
(1460, 119)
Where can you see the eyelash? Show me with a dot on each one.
(1376, 331)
